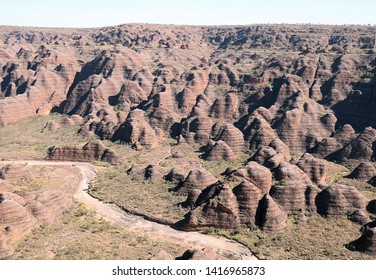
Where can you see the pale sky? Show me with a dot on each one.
(97, 13)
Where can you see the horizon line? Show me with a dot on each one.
(194, 25)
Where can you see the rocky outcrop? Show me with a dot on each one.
(332, 144)
(270, 217)
(360, 217)
(220, 211)
(197, 179)
(65, 121)
(195, 185)
(257, 174)
(248, 197)
(340, 200)
(232, 136)
(367, 242)
(365, 170)
(18, 216)
(93, 150)
(5, 249)
(15, 172)
(273, 154)
(290, 189)
(197, 129)
(220, 151)
(257, 132)
(362, 148)
(34, 86)
(177, 174)
(155, 173)
(15, 218)
(136, 130)
(49, 205)
(316, 169)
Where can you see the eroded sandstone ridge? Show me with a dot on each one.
(91, 151)
(22, 210)
(289, 97)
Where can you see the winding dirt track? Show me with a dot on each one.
(226, 248)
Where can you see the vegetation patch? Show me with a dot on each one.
(81, 235)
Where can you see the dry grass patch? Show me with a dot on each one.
(317, 238)
(81, 235)
(25, 140)
(152, 199)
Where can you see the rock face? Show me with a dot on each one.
(5, 249)
(367, 242)
(36, 84)
(221, 211)
(329, 145)
(136, 130)
(232, 136)
(93, 150)
(362, 148)
(360, 217)
(19, 215)
(290, 191)
(316, 169)
(197, 179)
(49, 205)
(248, 197)
(66, 121)
(365, 170)
(213, 88)
(339, 200)
(270, 217)
(177, 175)
(258, 175)
(16, 218)
(220, 151)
